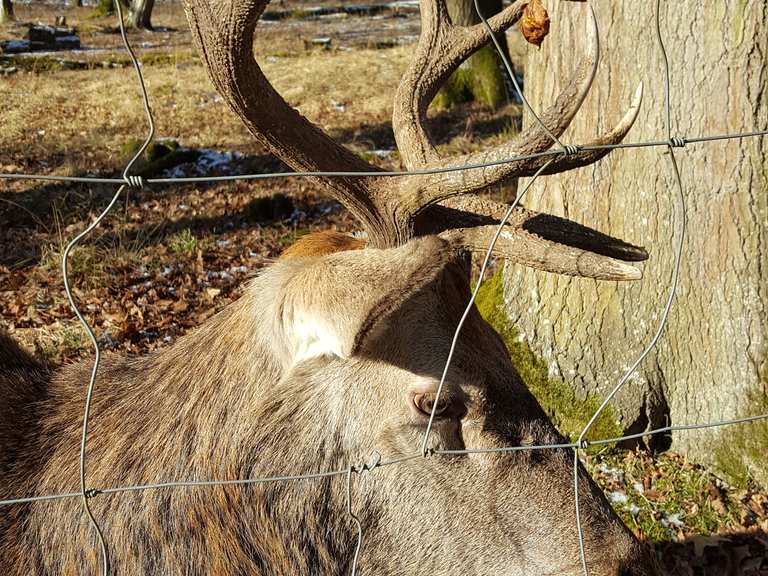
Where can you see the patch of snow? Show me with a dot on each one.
(618, 497)
(612, 472)
(672, 521)
(382, 153)
(633, 509)
(16, 45)
(207, 162)
(297, 215)
(211, 159)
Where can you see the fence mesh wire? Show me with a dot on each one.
(130, 180)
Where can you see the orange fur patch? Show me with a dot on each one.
(321, 243)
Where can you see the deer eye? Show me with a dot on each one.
(425, 403)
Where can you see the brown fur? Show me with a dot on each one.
(322, 243)
(311, 370)
(22, 382)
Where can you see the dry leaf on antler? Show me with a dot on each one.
(535, 22)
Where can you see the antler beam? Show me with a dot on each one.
(392, 210)
(223, 31)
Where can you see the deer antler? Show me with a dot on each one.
(394, 209)
(223, 31)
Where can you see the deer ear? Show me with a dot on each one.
(332, 303)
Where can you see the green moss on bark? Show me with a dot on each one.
(106, 8)
(742, 451)
(161, 154)
(479, 79)
(568, 412)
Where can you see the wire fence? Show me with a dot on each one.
(130, 180)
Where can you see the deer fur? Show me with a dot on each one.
(248, 395)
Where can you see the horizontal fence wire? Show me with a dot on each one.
(138, 181)
(93, 492)
(134, 181)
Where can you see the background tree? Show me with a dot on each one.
(711, 362)
(140, 14)
(107, 7)
(482, 77)
(6, 11)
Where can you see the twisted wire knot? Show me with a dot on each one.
(584, 444)
(571, 149)
(365, 466)
(91, 493)
(134, 181)
(428, 452)
(677, 142)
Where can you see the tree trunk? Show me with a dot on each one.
(107, 7)
(482, 76)
(711, 361)
(6, 11)
(141, 13)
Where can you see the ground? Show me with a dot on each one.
(171, 256)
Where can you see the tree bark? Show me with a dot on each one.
(107, 7)
(482, 76)
(711, 361)
(6, 11)
(141, 13)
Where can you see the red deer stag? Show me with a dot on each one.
(331, 354)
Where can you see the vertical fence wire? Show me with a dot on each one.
(679, 224)
(87, 494)
(471, 303)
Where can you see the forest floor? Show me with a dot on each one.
(171, 256)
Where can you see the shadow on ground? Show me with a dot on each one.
(737, 554)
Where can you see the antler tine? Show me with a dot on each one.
(536, 240)
(442, 48)
(533, 251)
(593, 150)
(419, 192)
(394, 210)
